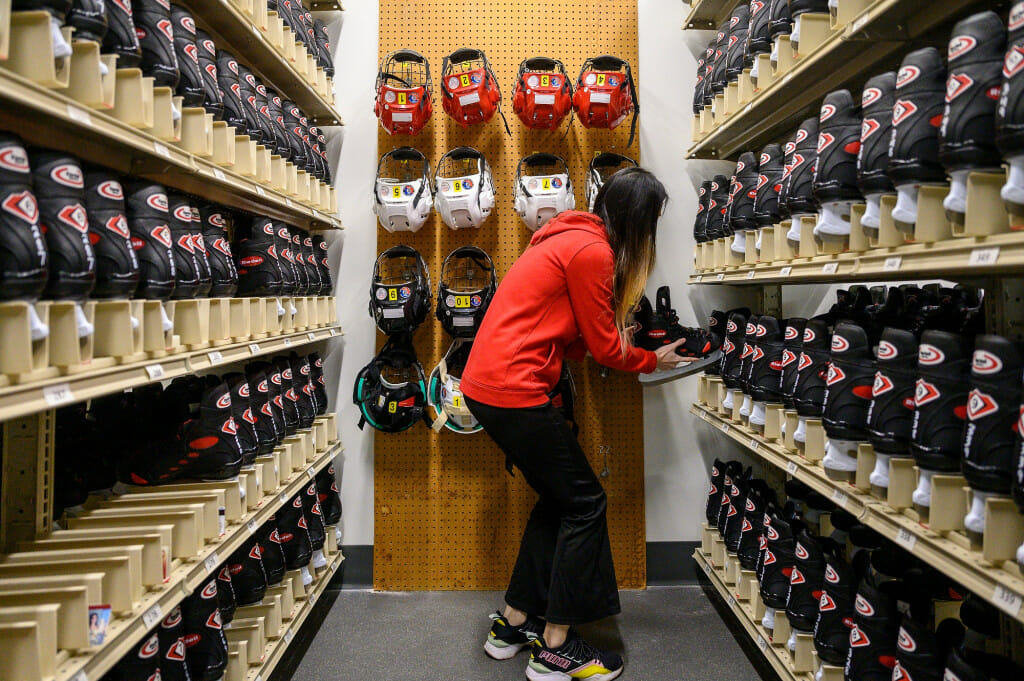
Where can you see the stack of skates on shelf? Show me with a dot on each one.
(829, 582)
(190, 643)
(906, 369)
(659, 325)
(925, 127)
(74, 231)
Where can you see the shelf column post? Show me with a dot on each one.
(27, 484)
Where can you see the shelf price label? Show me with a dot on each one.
(791, 468)
(211, 562)
(906, 539)
(283, 497)
(161, 149)
(80, 676)
(830, 268)
(288, 636)
(786, 271)
(754, 444)
(260, 192)
(839, 497)
(215, 357)
(761, 643)
(155, 371)
(219, 174)
(724, 427)
(1007, 601)
(251, 526)
(56, 395)
(152, 616)
(287, 341)
(311, 473)
(311, 335)
(254, 349)
(79, 116)
(312, 597)
(699, 278)
(892, 263)
(720, 276)
(751, 274)
(731, 600)
(984, 256)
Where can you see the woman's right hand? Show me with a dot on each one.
(667, 357)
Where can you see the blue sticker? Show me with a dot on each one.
(413, 98)
(407, 190)
(554, 82)
(613, 81)
(475, 301)
(467, 184)
(556, 183)
(405, 292)
(476, 77)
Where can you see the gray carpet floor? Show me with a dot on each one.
(664, 633)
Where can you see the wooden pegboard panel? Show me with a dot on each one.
(447, 516)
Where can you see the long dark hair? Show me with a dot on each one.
(630, 204)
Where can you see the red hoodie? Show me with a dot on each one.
(555, 302)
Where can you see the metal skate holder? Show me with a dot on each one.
(813, 29)
(846, 11)
(784, 251)
(750, 252)
(780, 634)
(219, 324)
(245, 156)
(118, 331)
(191, 322)
(23, 359)
(273, 30)
(986, 212)
(747, 587)
(314, 191)
(287, 320)
(731, 98)
(814, 444)
(786, 59)
(707, 121)
(31, 50)
(765, 73)
(263, 169)
(87, 83)
(207, 522)
(808, 247)
(237, 663)
(732, 259)
(717, 551)
(949, 503)
(277, 170)
(791, 420)
(887, 235)
(283, 592)
(196, 131)
(138, 578)
(249, 631)
(833, 245)
(745, 87)
(695, 133)
(223, 144)
(239, 328)
(302, 185)
(298, 588)
(865, 464)
(258, 317)
(269, 472)
(803, 656)
(698, 257)
(72, 605)
(291, 177)
(902, 480)
(718, 109)
(300, 319)
(767, 252)
(133, 98)
(774, 417)
(1004, 530)
(858, 242)
(69, 349)
(157, 340)
(702, 389)
(706, 534)
(830, 673)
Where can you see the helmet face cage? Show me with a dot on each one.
(403, 92)
(605, 94)
(400, 294)
(465, 188)
(601, 168)
(469, 89)
(543, 93)
(464, 291)
(391, 390)
(403, 192)
(444, 394)
(543, 189)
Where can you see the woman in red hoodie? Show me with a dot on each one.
(571, 292)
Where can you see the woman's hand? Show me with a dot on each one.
(667, 357)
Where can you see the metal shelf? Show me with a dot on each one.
(1002, 587)
(124, 633)
(776, 656)
(232, 29)
(21, 400)
(707, 14)
(48, 118)
(845, 58)
(965, 256)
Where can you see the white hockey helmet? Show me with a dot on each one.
(603, 166)
(402, 194)
(465, 188)
(444, 396)
(543, 189)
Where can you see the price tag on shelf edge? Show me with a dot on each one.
(259, 190)
(892, 263)
(751, 274)
(699, 278)
(215, 357)
(79, 115)
(288, 636)
(791, 468)
(761, 643)
(155, 371)
(283, 497)
(152, 616)
(80, 676)
(731, 600)
(984, 256)
(254, 348)
(786, 271)
(219, 174)
(312, 597)
(839, 497)
(1007, 601)
(906, 539)
(161, 149)
(754, 444)
(251, 526)
(56, 395)
(287, 341)
(311, 335)
(311, 473)
(211, 562)
(724, 427)
(829, 268)
(720, 276)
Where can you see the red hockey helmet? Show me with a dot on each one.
(543, 94)
(403, 93)
(469, 90)
(605, 94)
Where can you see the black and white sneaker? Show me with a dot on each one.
(574, 659)
(504, 640)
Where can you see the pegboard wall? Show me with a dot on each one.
(447, 515)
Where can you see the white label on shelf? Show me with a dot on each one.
(312, 597)
(288, 636)
(254, 348)
(152, 616)
(724, 427)
(791, 467)
(59, 394)
(906, 539)
(731, 600)
(761, 643)
(161, 149)
(839, 497)
(311, 473)
(785, 271)
(79, 115)
(754, 444)
(215, 357)
(287, 342)
(788, 77)
(748, 107)
(859, 24)
(251, 525)
(219, 174)
(1007, 601)
(211, 562)
(892, 263)
(283, 497)
(334, 332)
(720, 276)
(254, 29)
(707, 568)
(155, 371)
(80, 676)
(700, 277)
(311, 335)
(751, 274)
(984, 256)
(829, 268)
(288, 202)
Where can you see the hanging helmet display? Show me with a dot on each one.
(464, 290)
(400, 294)
(543, 94)
(390, 391)
(603, 166)
(403, 93)
(465, 188)
(469, 90)
(403, 194)
(444, 396)
(543, 189)
(605, 94)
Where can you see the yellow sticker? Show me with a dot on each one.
(396, 192)
(461, 302)
(545, 183)
(600, 79)
(464, 79)
(402, 98)
(456, 401)
(545, 81)
(392, 294)
(457, 185)
(392, 407)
